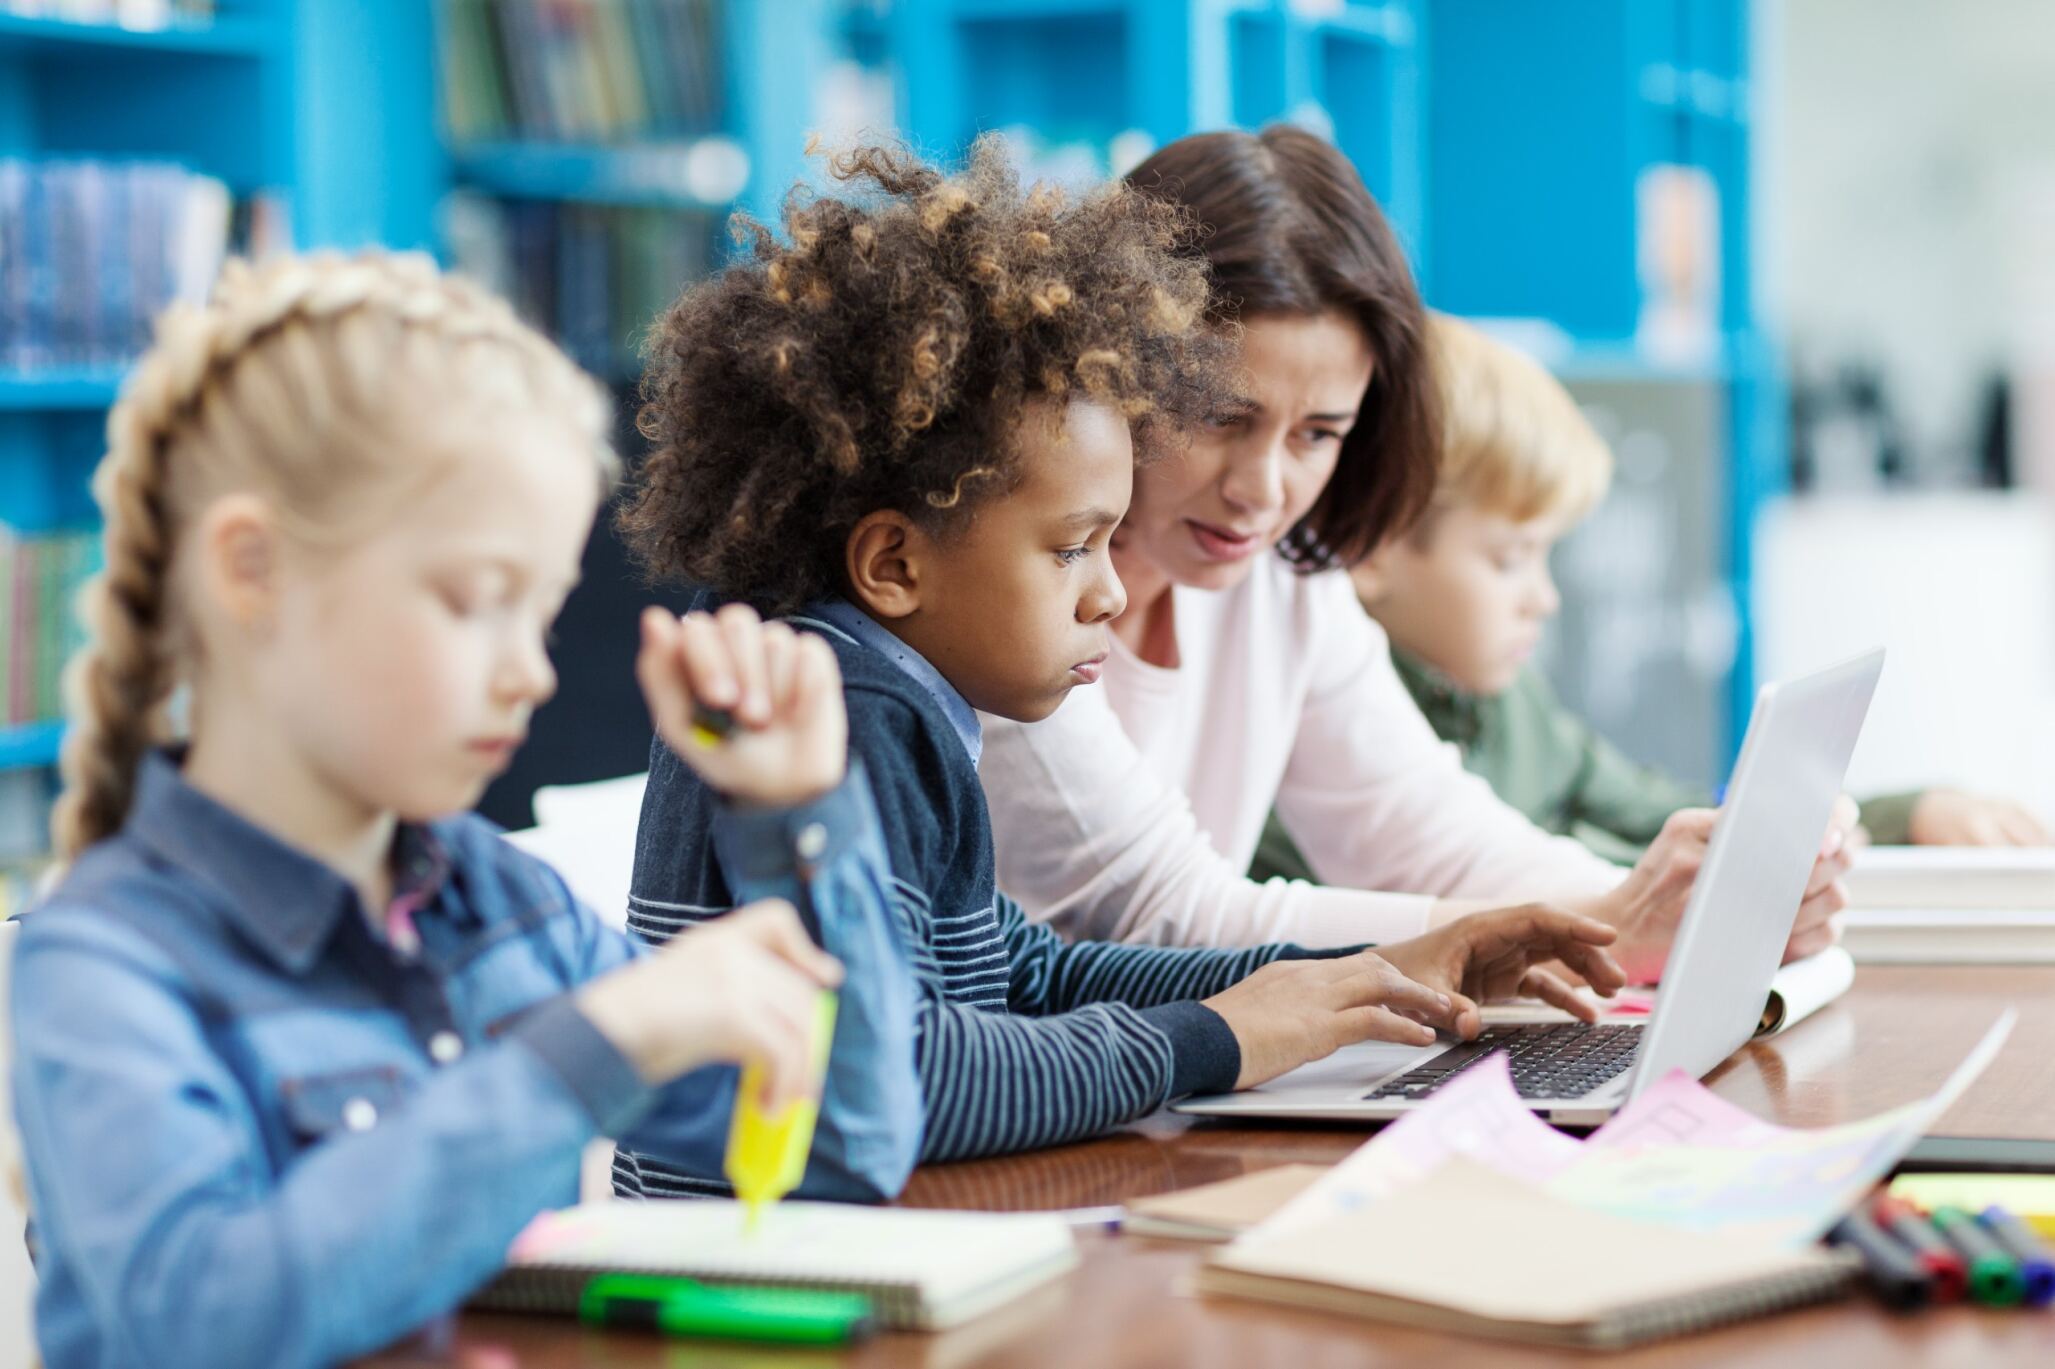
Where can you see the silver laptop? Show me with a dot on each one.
(1727, 948)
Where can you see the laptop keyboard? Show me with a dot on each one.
(1548, 1059)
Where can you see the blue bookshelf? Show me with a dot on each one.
(30, 744)
(650, 175)
(324, 108)
(230, 35)
(59, 390)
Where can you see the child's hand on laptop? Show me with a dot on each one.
(1294, 1011)
(782, 736)
(1501, 954)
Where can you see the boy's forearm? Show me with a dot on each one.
(997, 1083)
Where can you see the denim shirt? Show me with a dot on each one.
(258, 1134)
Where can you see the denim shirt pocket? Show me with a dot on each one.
(317, 1106)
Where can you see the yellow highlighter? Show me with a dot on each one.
(767, 1152)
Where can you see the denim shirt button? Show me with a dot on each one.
(445, 1047)
(360, 1114)
(812, 841)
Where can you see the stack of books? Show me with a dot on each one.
(599, 71)
(39, 627)
(1952, 905)
(90, 252)
(594, 277)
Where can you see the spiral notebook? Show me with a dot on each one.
(1468, 1250)
(923, 1270)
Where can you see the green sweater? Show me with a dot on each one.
(1547, 762)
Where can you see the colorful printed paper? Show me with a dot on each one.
(1676, 1154)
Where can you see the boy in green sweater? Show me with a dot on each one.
(1465, 595)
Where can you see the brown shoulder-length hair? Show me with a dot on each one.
(1288, 227)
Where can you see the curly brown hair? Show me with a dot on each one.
(880, 354)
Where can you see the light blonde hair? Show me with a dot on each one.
(1513, 441)
(306, 380)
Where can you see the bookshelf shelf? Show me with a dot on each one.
(225, 37)
(651, 174)
(30, 744)
(1028, 10)
(58, 390)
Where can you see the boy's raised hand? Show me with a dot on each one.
(788, 742)
(738, 990)
(1499, 954)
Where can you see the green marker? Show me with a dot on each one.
(686, 1307)
(1994, 1277)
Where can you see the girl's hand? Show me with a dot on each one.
(1499, 954)
(788, 741)
(1949, 817)
(737, 990)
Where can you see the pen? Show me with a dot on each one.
(1940, 1259)
(1898, 1279)
(2036, 1270)
(1993, 1274)
(1105, 1218)
(686, 1307)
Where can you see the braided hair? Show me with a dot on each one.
(288, 382)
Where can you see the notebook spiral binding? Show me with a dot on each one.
(1722, 1306)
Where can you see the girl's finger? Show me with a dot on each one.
(709, 667)
(775, 926)
(780, 645)
(743, 631)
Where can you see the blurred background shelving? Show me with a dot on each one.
(1579, 175)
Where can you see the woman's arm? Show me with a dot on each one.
(1092, 842)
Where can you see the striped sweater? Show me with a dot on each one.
(1021, 1040)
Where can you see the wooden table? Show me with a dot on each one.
(1894, 1038)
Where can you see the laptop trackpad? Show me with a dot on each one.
(1356, 1067)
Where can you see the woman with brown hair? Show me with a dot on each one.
(1243, 671)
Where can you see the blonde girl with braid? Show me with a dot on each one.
(300, 1045)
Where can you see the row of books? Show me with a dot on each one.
(90, 251)
(40, 577)
(580, 70)
(593, 277)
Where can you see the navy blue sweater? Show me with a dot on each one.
(1022, 1040)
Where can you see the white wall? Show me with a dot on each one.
(1960, 590)
(1906, 189)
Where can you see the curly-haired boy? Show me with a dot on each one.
(912, 426)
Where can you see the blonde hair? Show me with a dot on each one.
(293, 382)
(1513, 440)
